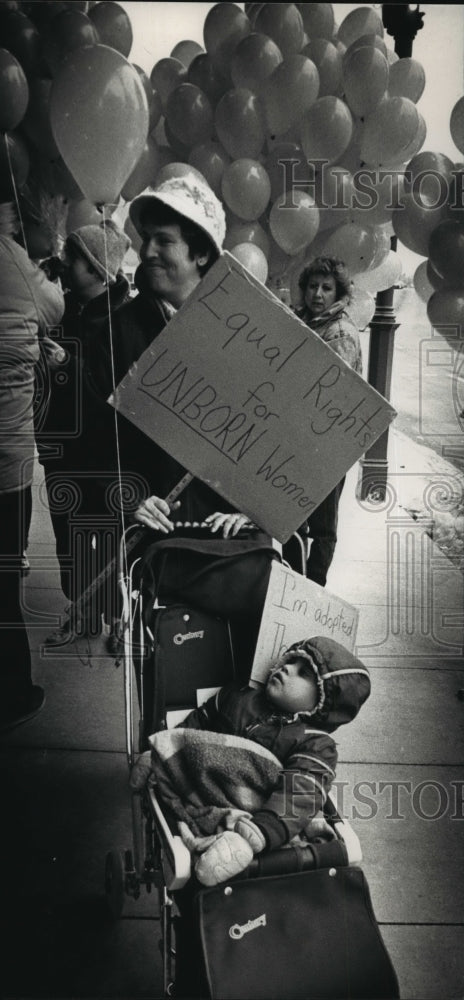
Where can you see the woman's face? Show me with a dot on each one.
(321, 293)
(170, 270)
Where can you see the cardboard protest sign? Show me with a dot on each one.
(248, 399)
(296, 608)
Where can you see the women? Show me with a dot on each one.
(325, 289)
(182, 227)
(93, 257)
(29, 305)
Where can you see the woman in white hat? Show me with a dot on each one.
(182, 226)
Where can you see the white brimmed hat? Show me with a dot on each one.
(189, 197)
